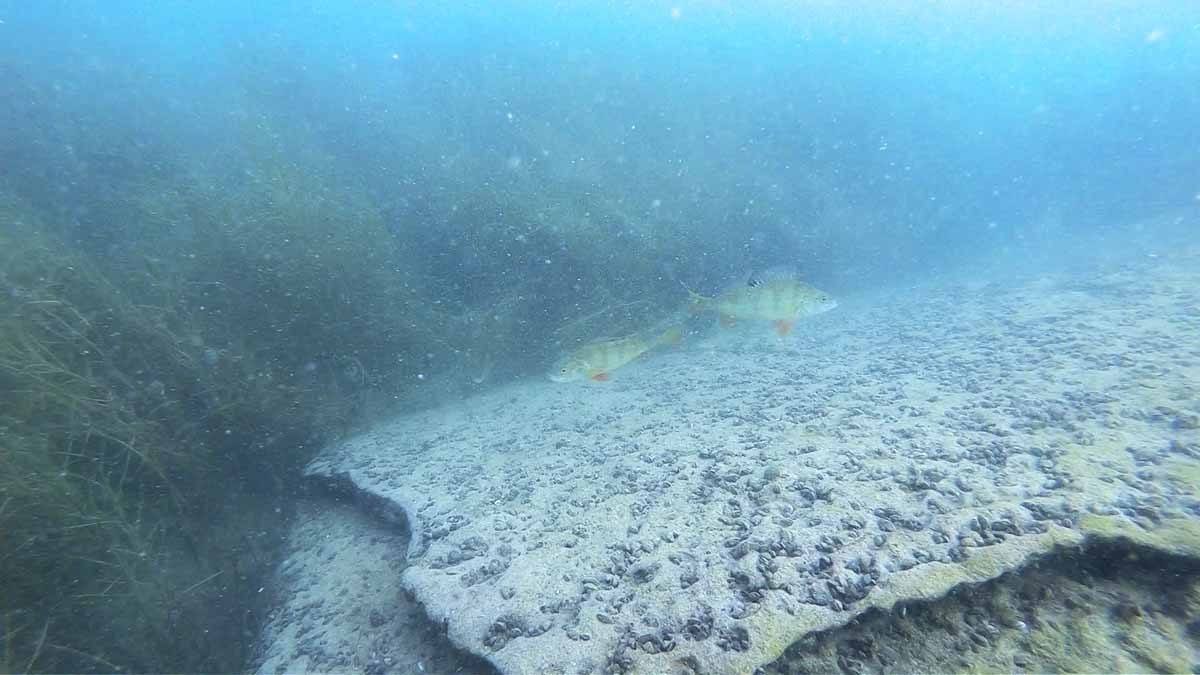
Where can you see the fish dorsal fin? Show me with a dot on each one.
(777, 273)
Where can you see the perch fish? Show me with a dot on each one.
(775, 295)
(596, 360)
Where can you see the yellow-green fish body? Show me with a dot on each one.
(596, 360)
(778, 298)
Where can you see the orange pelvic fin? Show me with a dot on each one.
(727, 320)
(782, 327)
(600, 377)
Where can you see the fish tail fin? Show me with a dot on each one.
(696, 303)
(672, 336)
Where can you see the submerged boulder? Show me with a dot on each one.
(713, 505)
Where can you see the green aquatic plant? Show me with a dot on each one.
(234, 322)
(106, 465)
(72, 447)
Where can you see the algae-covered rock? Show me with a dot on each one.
(1101, 608)
(916, 444)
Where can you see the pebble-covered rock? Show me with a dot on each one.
(882, 452)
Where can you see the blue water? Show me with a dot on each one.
(874, 137)
(497, 181)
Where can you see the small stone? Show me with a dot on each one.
(644, 572)
(1127, 612)
(376, 618)
(1004, 525)
(1186, 421)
